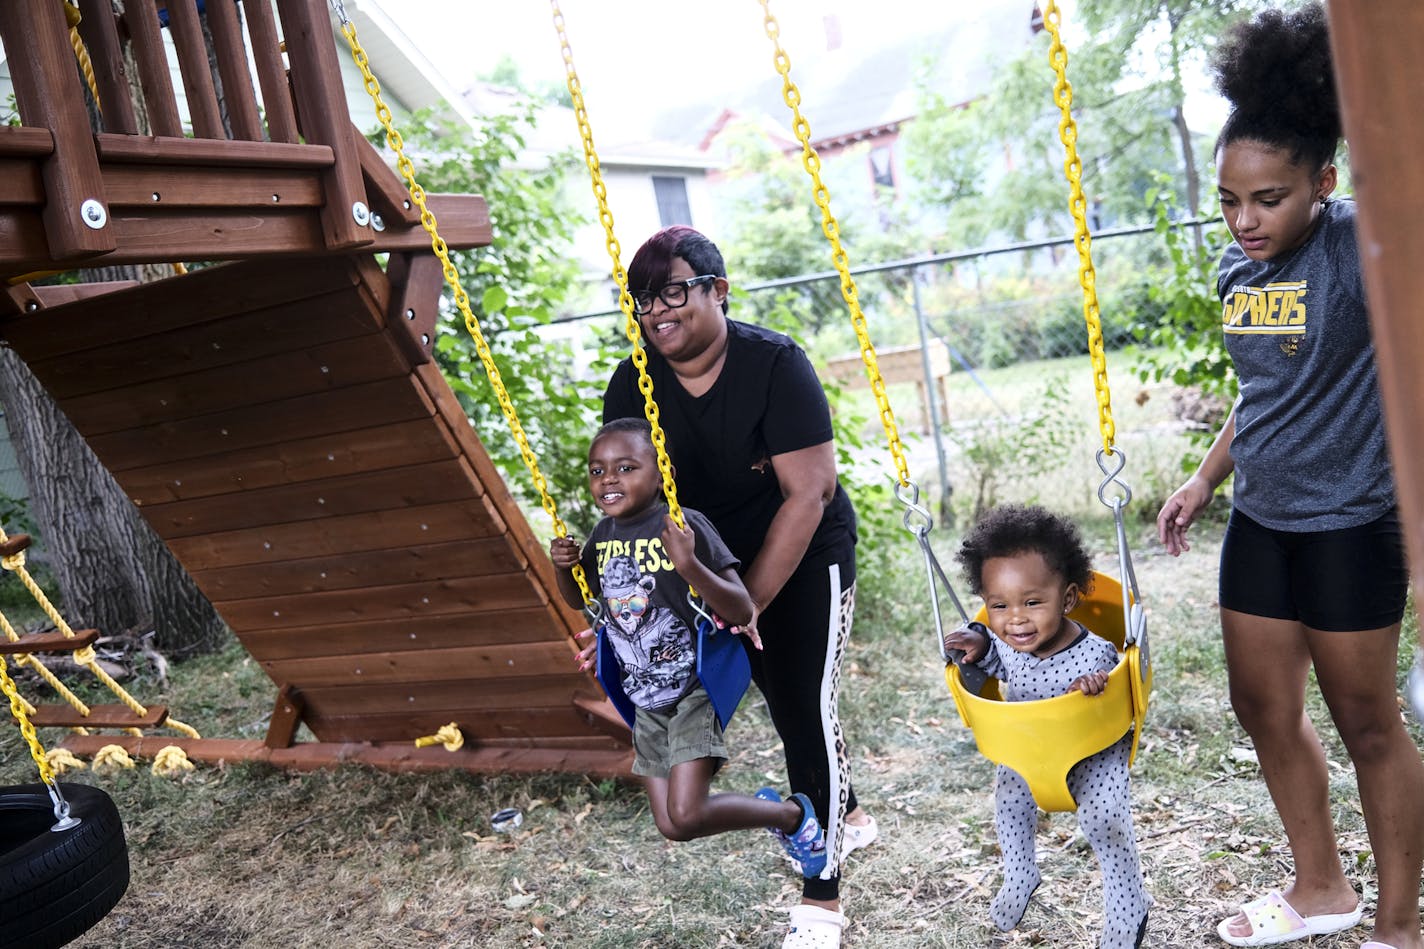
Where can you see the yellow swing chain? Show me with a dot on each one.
(27, 727)
(452, 279)
(620, 276)
(1078, 205)
(831, 228)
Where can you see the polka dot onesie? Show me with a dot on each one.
(1099, 784)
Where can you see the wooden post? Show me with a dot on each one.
(101, 37)
(47, 85)
(325, 120)
(1380, 75)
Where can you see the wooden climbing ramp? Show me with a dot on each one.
(279, 420)
(283, 429)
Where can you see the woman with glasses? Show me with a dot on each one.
(749, 433)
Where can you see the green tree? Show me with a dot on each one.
(1129, 81)
(774, 228)
(516, 285)
(1186, 344)
(775, 231)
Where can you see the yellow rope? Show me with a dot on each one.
(171, 761)
(111, 757)
(86, 657)
(40, 669)
(62, 760)
(71, 15)
(15, 563)
(1078, 205)
(448, 735)
(831, 228)
(620, 276)
(452, 279)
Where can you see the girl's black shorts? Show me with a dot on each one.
(1335, 581)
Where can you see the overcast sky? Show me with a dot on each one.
(621, 45)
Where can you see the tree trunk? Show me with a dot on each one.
(1190, 178)
(115, 574)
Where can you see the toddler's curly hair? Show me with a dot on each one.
(1017, 529)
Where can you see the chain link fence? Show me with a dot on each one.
(985, 358)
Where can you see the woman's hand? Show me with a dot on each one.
(585, 658)
(1091, 684)
(1180, 510)
(749, 629)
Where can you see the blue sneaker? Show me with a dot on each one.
(806, 846)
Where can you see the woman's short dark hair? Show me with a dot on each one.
(1019, 529)
(649, 269)
(1275, 70)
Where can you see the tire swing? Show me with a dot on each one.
(1041, 740)
(63, 860)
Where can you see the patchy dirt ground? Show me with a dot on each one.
(253, 858)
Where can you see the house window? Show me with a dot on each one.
(882, 170)
(672, 201)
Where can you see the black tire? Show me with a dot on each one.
(55, 885)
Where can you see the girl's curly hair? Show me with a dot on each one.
(1018, 529)
(1275, 70)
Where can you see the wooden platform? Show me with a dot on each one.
(282, 428)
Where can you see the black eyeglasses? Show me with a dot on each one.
(673, 295)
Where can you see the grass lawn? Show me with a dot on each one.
(248, 856)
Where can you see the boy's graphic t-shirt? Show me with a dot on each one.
(650, 623)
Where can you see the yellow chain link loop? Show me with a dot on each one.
(1078, 205)
(27, 728)
(452, 280)
(831, 228)
(631, 329)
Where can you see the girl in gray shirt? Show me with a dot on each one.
(1312, 564)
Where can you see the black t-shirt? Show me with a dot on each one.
(766, 401)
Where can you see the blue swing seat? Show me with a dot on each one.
(722, 668)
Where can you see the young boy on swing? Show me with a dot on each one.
(641, 565)
(1030, 568)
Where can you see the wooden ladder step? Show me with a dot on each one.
(51, 641)
(100, 716)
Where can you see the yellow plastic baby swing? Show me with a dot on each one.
(1041, 740)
